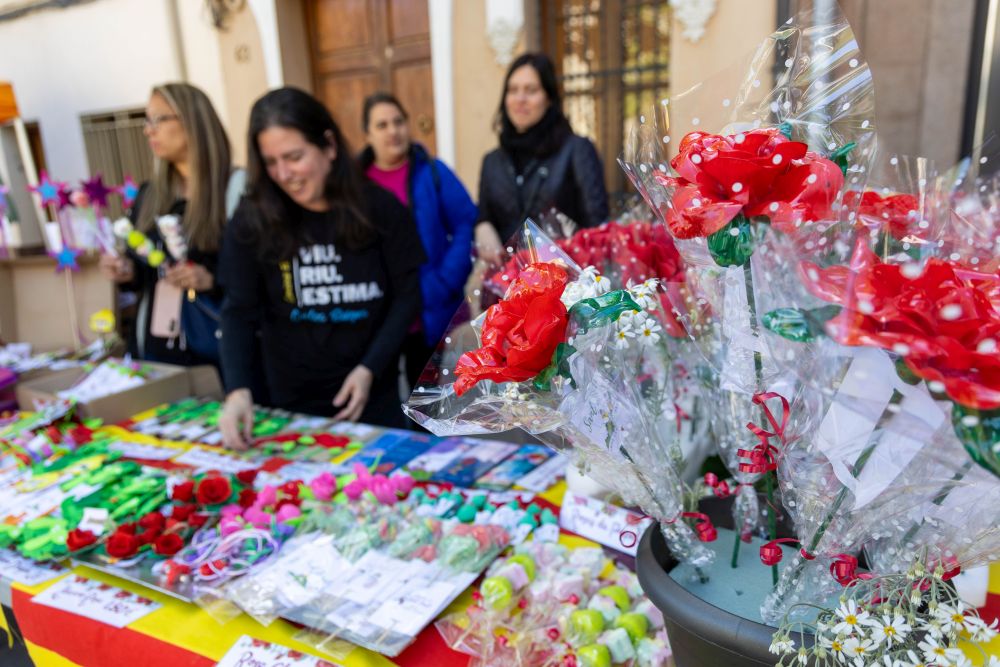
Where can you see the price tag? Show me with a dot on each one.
(605, 524)
(94, 519)
(95, 600)
(15, 567)
(250, 652)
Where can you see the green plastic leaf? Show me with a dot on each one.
(797, 324)
(733, 244)
(601, 310)
(558, 366)
(839, 156)
(979, 432)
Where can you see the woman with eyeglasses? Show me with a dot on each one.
(193, 179)
(325, 263)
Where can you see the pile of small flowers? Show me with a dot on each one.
(914, 619)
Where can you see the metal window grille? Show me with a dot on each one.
(613, 61)
(116, 147)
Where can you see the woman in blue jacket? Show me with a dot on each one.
(444, 213)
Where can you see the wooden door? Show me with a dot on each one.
(361, 46)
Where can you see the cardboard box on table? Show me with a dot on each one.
(172, 383)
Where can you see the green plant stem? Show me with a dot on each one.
(758, 368)
(772, 518)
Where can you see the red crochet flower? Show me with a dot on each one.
(182, 512)
(153, 521)
(197, 520)
(756, 173)
(183, 492)
(122, 544)
(79, 539)
(247, 476)
(943, 320)
(247, 497)
(520, 333)
(168, 544)
(895, 212)
(213, 491)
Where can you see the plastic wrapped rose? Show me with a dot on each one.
(521, 333)
(943, 320)
(755, 173)
(893, 212)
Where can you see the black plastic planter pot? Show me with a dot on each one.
(701, 634)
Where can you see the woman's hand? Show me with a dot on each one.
(116, 269)
(236, 420)
(354, 392)
(488, 244)
(190, 276)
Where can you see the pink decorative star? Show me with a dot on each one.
(64, 197)
(97, 191)
(47, 189)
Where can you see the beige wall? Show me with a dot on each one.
(918, 52)
(244, 77)
(478, 80)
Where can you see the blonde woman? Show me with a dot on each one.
(193, 180)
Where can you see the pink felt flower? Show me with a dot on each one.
(324, 486)
(287, 512)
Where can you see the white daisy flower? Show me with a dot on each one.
(835, 645)
(937, 653)
(953, 618)
(649, 330)
(623, 333)
(851, 618)
(980, 632)
(855, 647)
(890, 631)
(781, 644)
(644, 293)
(994, 662)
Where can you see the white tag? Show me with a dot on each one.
(250, 652)
(520, 533)
(81, 491)
(101, 602)
(94, 520)
(418, 607)
(15, 567)
(547, 532)
(204, 459)
(605, 524)
(137, 450)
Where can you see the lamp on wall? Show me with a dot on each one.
(221, 10)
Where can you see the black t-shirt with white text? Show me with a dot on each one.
(323, 310)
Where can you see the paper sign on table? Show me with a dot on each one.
(605, 524)
(17, 568)
(544, 476)
(250, 652)
(95, 600)
(203, 459)
(136, 450)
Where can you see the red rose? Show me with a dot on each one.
(520, 333)
(79, 539)
(182, 512)
(197, 520)
(290, 488)
(944, 322)
(895, 212)
(168, 544)
(756, 173)
(247, 477)
(122, 545)
(247, 497)
(147, 536)
(153, 521)
(183, 492)
(213, 491)
(126, 528)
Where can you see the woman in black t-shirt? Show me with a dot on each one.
(325, 264)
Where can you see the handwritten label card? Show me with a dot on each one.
(204, 459)
(15, 567)
(101, 602)
(605, 524)
(250, 652)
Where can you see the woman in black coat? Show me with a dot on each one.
(540, 163)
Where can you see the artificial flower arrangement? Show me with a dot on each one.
(845, 335)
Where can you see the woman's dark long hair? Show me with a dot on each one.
(295, 109)
(542, 64)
